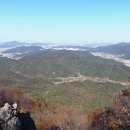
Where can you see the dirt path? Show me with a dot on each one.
(83, 78)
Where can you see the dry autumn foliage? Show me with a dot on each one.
(65, 119)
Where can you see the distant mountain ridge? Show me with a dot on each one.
(122, 49)
(22, 51)
(15, 50)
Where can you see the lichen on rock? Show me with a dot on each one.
(8, 117)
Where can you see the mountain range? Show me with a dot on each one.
(120, 49)
(44, 60)
(64, 63)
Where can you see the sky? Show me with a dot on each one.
(65, 21)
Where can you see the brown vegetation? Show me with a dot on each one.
(12, 96)
(48, 117)
(65, 119)
(114, 118)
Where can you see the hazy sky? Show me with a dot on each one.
(70, 21)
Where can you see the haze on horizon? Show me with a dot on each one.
(66, 21)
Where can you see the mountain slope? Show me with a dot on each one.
(122, 49)
(24, 49)
(63, 63)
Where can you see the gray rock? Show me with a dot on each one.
(8, 117)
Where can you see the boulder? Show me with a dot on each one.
(11, 119)
(8, 117)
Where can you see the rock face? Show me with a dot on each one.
(26, 121)
(8, 117)
(11, 119)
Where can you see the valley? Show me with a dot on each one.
(58, 78)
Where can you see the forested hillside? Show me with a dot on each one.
(53, 63)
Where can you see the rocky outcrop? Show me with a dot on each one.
(8, 117)
(12, 119)
(26, 121)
